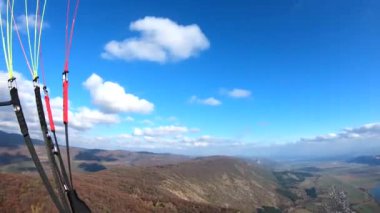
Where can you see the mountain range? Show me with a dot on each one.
(125, 181)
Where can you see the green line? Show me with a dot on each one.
(9, 68)
(35, 38)
(11, 38)
(3, 41)
(40, 33)
(28, 33)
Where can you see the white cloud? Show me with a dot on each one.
(161, 131)
(129, 119)
(21, 23)
(365, 132)
(81, 118)
(239, 93)
(147, 122)
(348, 143)
(85, 118)
(157, 139)
(162, 139)
(111, 97)
(161, 40)
(207, 101)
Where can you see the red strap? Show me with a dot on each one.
(50, 115)
(65, 102)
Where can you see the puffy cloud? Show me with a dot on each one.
(111, 97)
(85, 118)
(81, 118)
(26, 93)
(207, 101)
(21, 22)
(161, 40)
(239, 93)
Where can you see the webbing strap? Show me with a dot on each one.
(57, 174)
(61, 164)
(6, 103)
(68, 155)
(49, 147)
(77, 205)
(65, 79)
(52, 129)
(28, 141)
(50, 114)
(65, 97)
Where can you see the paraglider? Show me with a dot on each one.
(67, 199)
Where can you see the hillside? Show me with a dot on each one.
(139, 181)
(202, 185)
(124, 181)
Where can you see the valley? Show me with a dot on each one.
(144, 182)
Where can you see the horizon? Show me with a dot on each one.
(243, 78)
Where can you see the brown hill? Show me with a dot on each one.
(215, 184)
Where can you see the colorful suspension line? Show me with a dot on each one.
(56, 151)
(76, 204)
(65, 79)
(57, 175)
(15, 101)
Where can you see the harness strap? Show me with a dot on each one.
(49, 146)
(28, 142)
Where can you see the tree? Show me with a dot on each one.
(337, 201)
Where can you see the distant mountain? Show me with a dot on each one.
(369, 160)
(13, 141)
(14, 154)
(14, 151)
(123, 157)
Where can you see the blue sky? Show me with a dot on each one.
(306, 68)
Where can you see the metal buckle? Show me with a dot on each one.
(55, 150)
(65, 187)
(65, 76)
(12, 83)
(45, 91)
(35, 82)
(16, 108)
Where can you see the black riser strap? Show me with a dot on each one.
(61, 164)
(77, 205)
(28, 142)
(49, 149)
(57, 175)
(68, 154)
(6, 103)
